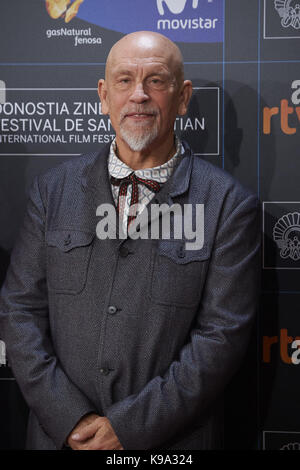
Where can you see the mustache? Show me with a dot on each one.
(138, 109)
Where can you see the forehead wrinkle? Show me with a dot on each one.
(151, 66)
(146, 68)
(135, 62)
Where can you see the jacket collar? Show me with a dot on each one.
(180, 181)
(95, 177)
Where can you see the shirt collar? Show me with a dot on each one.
(161, 173)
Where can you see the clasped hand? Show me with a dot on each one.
(94, 432)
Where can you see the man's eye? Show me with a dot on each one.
(124, 81)
(157, 83)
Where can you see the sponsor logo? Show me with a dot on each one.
(195, 21)
(71, 121)
(62, 9)
(81, 36)
(286, 234)
(281, 440)
(68, 116)
(175, 6)
(281, 19)
(287, 114)
(289, 347)
(281, 235)
(289, 12)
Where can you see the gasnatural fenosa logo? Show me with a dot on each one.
(63, 9)
(66, 10)
(289, 12)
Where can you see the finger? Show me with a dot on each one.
(82, 445)
(104, 440)
(86, 432)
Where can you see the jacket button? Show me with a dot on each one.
(181, 252)
(124, 251)
(112, 310)
(104, 371)
(67, 240)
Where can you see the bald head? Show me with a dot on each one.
(144, 91)
(144, 44)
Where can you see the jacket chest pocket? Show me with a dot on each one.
(68, 255)
(177, 274)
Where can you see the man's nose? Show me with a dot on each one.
(139, 95)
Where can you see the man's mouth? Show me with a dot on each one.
(139, 115)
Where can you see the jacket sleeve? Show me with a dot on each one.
(217, 343)
(24, 326)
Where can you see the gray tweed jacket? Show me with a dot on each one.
(142, 331)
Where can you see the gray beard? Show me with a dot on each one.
(138, 141)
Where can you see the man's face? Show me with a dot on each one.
(143, 93)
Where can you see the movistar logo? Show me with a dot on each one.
(175, 6)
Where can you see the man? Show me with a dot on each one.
(128, 343)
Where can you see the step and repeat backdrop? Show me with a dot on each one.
(244, 60)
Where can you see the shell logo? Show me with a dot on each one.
(61, 9)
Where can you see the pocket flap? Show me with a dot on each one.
(66, 240)
(177, 251)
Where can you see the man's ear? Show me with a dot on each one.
(102, 92)
(185, 96)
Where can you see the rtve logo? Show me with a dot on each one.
(284, 341)
(289, 115)
(175, 6)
